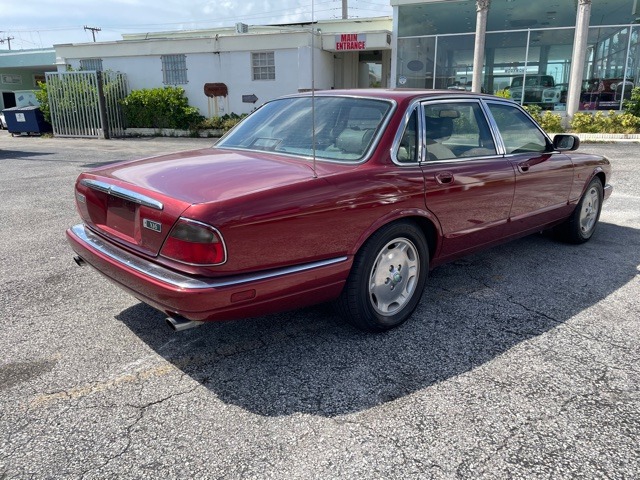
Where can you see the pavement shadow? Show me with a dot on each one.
(20, 154)
(473, 310)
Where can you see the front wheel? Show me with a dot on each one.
(580, 226)
(387, 278)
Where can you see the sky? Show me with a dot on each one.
(43, 23)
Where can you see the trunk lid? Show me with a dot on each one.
(136, 203)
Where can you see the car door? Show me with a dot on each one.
(543, 176)
(469, 187)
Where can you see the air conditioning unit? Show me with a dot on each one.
(242, 27)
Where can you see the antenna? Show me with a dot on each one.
(313, 90)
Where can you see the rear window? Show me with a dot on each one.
(345, 127)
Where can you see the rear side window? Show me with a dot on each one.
(456, 130)
(408, 148)
(519, 133)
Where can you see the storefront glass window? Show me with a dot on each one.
(415, 62)
(528, 49)
(612, 67)
(454, 68)
(437, 18)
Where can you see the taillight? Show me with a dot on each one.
(194, 243)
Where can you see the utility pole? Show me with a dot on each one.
(345, 9)
(93, 31)
(8, 40)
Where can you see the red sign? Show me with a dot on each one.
(351, 41)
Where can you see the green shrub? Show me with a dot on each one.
(225, 122)
(43, 99)
(503, 93)
(166, 107)
(582, 123)
(550, 122)
(632, 106)
(534, 111)
(625, 122)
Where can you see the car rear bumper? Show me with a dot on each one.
(223, 298)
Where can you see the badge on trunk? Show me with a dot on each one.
(151, 225)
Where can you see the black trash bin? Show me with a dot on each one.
(26, 120)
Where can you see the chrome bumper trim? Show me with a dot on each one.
(179, 280)
(608, 189)
(122, 193)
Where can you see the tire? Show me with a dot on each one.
(580, 226)
(387, 278)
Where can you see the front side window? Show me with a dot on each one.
(519, 133)
(456, 130)
(263, 65)
(174, 69)
(345, 127)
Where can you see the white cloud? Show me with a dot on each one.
(42, 23)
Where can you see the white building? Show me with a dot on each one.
(237, 69)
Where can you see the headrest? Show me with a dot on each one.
(354, 141)
(439, 128)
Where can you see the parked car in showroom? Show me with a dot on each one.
(343, 196)
(533, 88)
(555, 95)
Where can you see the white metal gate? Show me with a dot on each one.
(86, 104)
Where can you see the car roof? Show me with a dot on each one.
(397, 94)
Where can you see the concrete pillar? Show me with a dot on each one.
(482, 9)
(578, 57)
(544, 60)
(490, 54)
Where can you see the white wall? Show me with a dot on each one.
(293, 72)
(323, 69)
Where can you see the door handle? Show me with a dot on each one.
(444, 178)
(524, 167)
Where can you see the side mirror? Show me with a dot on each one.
(566, 143)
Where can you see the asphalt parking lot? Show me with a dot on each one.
(521, 361)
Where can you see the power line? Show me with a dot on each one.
(8, 40)
(93, 31)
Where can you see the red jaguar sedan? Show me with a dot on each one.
(343, 196)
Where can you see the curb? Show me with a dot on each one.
(604, 137)
(172, 132)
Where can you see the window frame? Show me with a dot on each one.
(259, 69)
(419, 104)
(502, 149)
(178, 73)
(94, 61)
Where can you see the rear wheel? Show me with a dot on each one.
(387, 278)
(580, 226)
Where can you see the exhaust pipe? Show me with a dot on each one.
(79, 261)
(178, 323)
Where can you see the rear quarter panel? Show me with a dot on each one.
(315, 219)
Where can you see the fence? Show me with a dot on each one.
(86, 104)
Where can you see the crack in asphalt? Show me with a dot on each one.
(141, 410)
(399, 447)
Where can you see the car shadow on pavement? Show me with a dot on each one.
(473, 310)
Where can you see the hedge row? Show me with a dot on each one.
(168, 107)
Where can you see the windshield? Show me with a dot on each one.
(345, 127)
